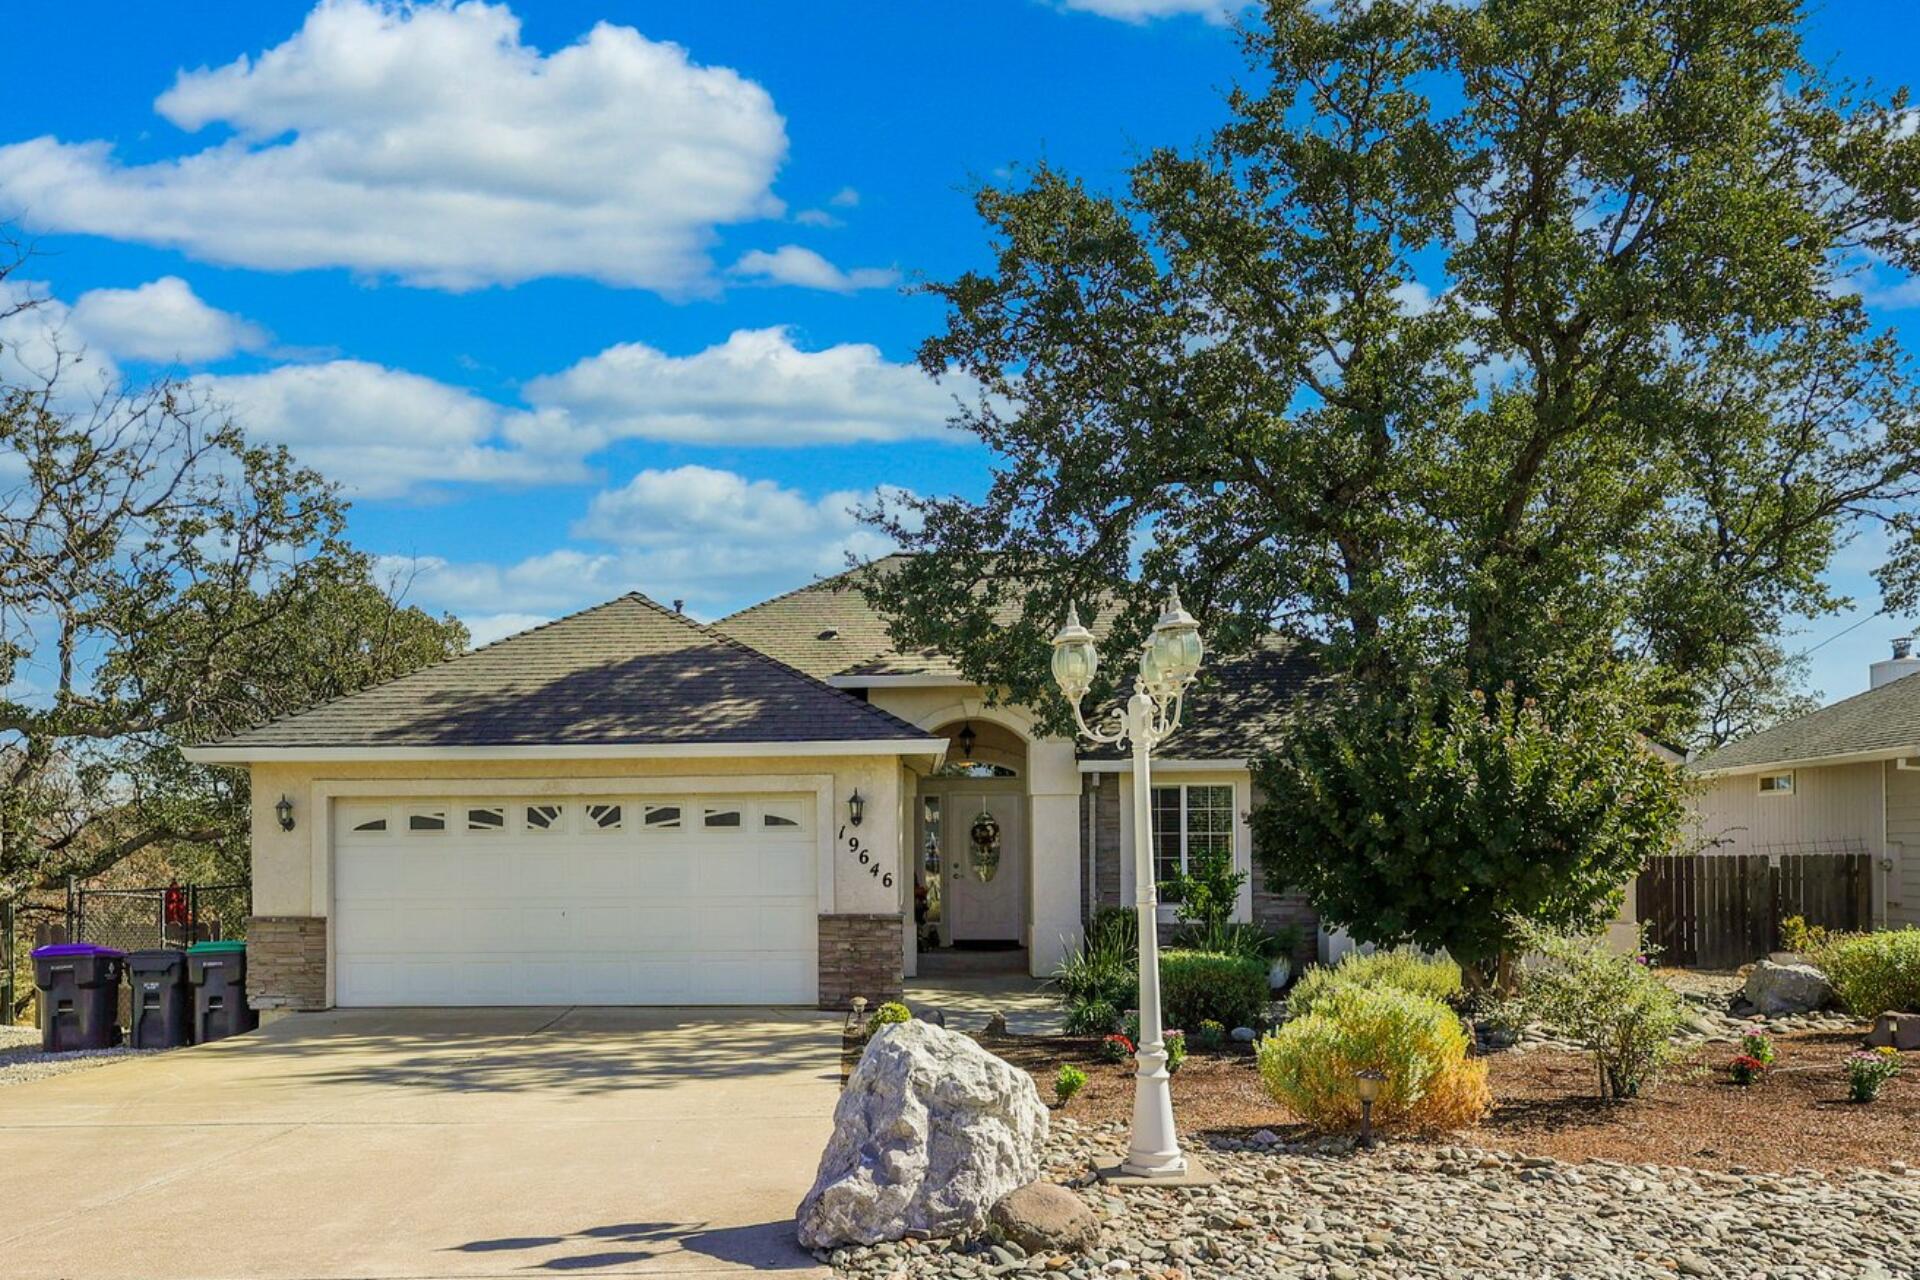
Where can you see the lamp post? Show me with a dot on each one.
(1168, 663)
(1366, 1085)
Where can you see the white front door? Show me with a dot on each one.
(615, 899)
(985, 883)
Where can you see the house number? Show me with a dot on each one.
(867, 860)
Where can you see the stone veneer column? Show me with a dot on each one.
(859, 956)
(287, 962)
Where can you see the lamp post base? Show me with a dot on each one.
(1111, 1168)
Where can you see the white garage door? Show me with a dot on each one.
(618, 899)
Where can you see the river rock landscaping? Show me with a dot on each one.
(1319, 1210)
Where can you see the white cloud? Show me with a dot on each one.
(381, 432)
(816, 218)
(485, 628)
(757, 387)
(41, 343)
(791, 264)
(428, 143)
(844, 198)
(163, 320)
(1217, 11)
(715, 539)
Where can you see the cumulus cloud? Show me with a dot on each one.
(757, 387)
(381, 432)
(715, 539)
(42, 345)
(1218, 11)
(427, 142)
(791, 264)
(163, 320)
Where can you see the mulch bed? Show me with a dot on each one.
(1545, 1104)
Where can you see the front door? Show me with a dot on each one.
(984, 851)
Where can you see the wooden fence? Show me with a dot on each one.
(1721, 911)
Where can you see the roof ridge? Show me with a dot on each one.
(814, 585)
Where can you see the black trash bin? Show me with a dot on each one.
(161, 1014)
(217, 972)
(79, 995)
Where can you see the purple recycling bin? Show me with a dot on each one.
(79, 995)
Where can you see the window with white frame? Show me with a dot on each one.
(1776, 784)
(1189, 821)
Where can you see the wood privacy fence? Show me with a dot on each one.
(1722, 911)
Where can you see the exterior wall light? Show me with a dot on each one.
(856, 807)
(284, 812)
(967, 738)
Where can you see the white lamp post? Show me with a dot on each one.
(1168, 663)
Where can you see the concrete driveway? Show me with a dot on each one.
(427, 1143)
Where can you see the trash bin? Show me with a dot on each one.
(217, 971)
(79, 995)
(161, 1013)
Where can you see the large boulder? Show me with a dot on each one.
(930, 1132)
(1774, 988)
(1043, 1217)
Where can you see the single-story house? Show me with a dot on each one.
(1841, 780)
(628, 807)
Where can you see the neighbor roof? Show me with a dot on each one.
(627, 673)
(1876, 725)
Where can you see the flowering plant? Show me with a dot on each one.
(1755, 1044)
(1868, 1070)
(1176, 1042)
(1116, 1048)
(1746, 1069)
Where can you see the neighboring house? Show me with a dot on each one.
(1842, 780)
(627, 807)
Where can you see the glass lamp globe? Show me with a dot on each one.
(1175, 645)
(1075, 658)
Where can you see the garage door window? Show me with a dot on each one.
(661, 817)
(545, 817)
(604, 817)
(720, 818)
(371, 825)
(489, 819)
(427, 821)
(780, 816)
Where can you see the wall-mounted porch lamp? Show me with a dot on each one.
(284, 812)
(856, 807)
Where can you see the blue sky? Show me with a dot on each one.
(584, 297)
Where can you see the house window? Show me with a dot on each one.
(493, 819)
(603, 817)
(544, 817)
(1908, 764)
(1776, 784)
(1189, 821)
(430, 820)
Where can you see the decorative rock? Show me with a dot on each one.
(1044, 1218)
(1901, 1030)
(1786, 988)
(1243, 1034)
(930, 1131)
(996, 1024)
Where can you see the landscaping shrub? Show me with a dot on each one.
(1868, 1070)
(1415, 1041)
(1176, 1042)
(1199, 985)
(887, 1015)
(1209, 1035)
(1116, 1048)
(1436, 977)
(1103, 969)
(1119, 926)
(1756, 1045)
(1068, 1081)
(1093, 1018)
(1797, 935)
(1610, 1003)
(1873, 973)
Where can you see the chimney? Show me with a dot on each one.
(1902, 663)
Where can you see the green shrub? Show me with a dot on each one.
(1237, 938)
(1415, 1041)
(1209, 1035)
(1068, 1081)
(1176, 1042)
(1117, 926)
(1873, 973)
(1205, 894)
(1868, 1070)
(1104, 969)
(1436, 977)
(1608, 1002)
(1199, 985)
(1091, 1018)
(887, 1015)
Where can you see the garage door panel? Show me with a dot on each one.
(637, 915)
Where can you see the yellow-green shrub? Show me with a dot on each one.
(1873, 973)
(1436, 977)
(1417, 1042)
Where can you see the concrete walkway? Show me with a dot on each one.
(1032, 1007)
(429, 1143)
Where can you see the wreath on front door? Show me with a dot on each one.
(986, 847)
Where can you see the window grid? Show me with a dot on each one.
(1190, 819)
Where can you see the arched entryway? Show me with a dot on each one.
(971, 852)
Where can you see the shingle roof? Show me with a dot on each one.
(828, 629)
(627, 672)
(1883, 720)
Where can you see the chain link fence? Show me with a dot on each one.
(165, 916)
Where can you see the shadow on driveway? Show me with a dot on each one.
(763, 1246)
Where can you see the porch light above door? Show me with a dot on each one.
(967, 738)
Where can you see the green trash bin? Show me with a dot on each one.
(217, 972)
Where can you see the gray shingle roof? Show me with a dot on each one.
(1883, 720)
(1240, 706)
(827, 628)
(627, 672)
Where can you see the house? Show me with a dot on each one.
(628, 807)
(1842, 780)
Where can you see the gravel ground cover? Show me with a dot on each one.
(21, 1058)
(1320, 1211)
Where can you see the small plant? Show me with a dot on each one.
(1402, 970)
(1091, 1018)
(1797, 935)
(887, 1015)
(1068, 1081)
(1116, 1048)
(1176, 1042)
(1209, 1035)
(1747, 1070)
(1104, 969)
(1868, 1070)
(1610, 1003)
(1757, 1045)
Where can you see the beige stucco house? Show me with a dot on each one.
(627, 807)
(1842, 780)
